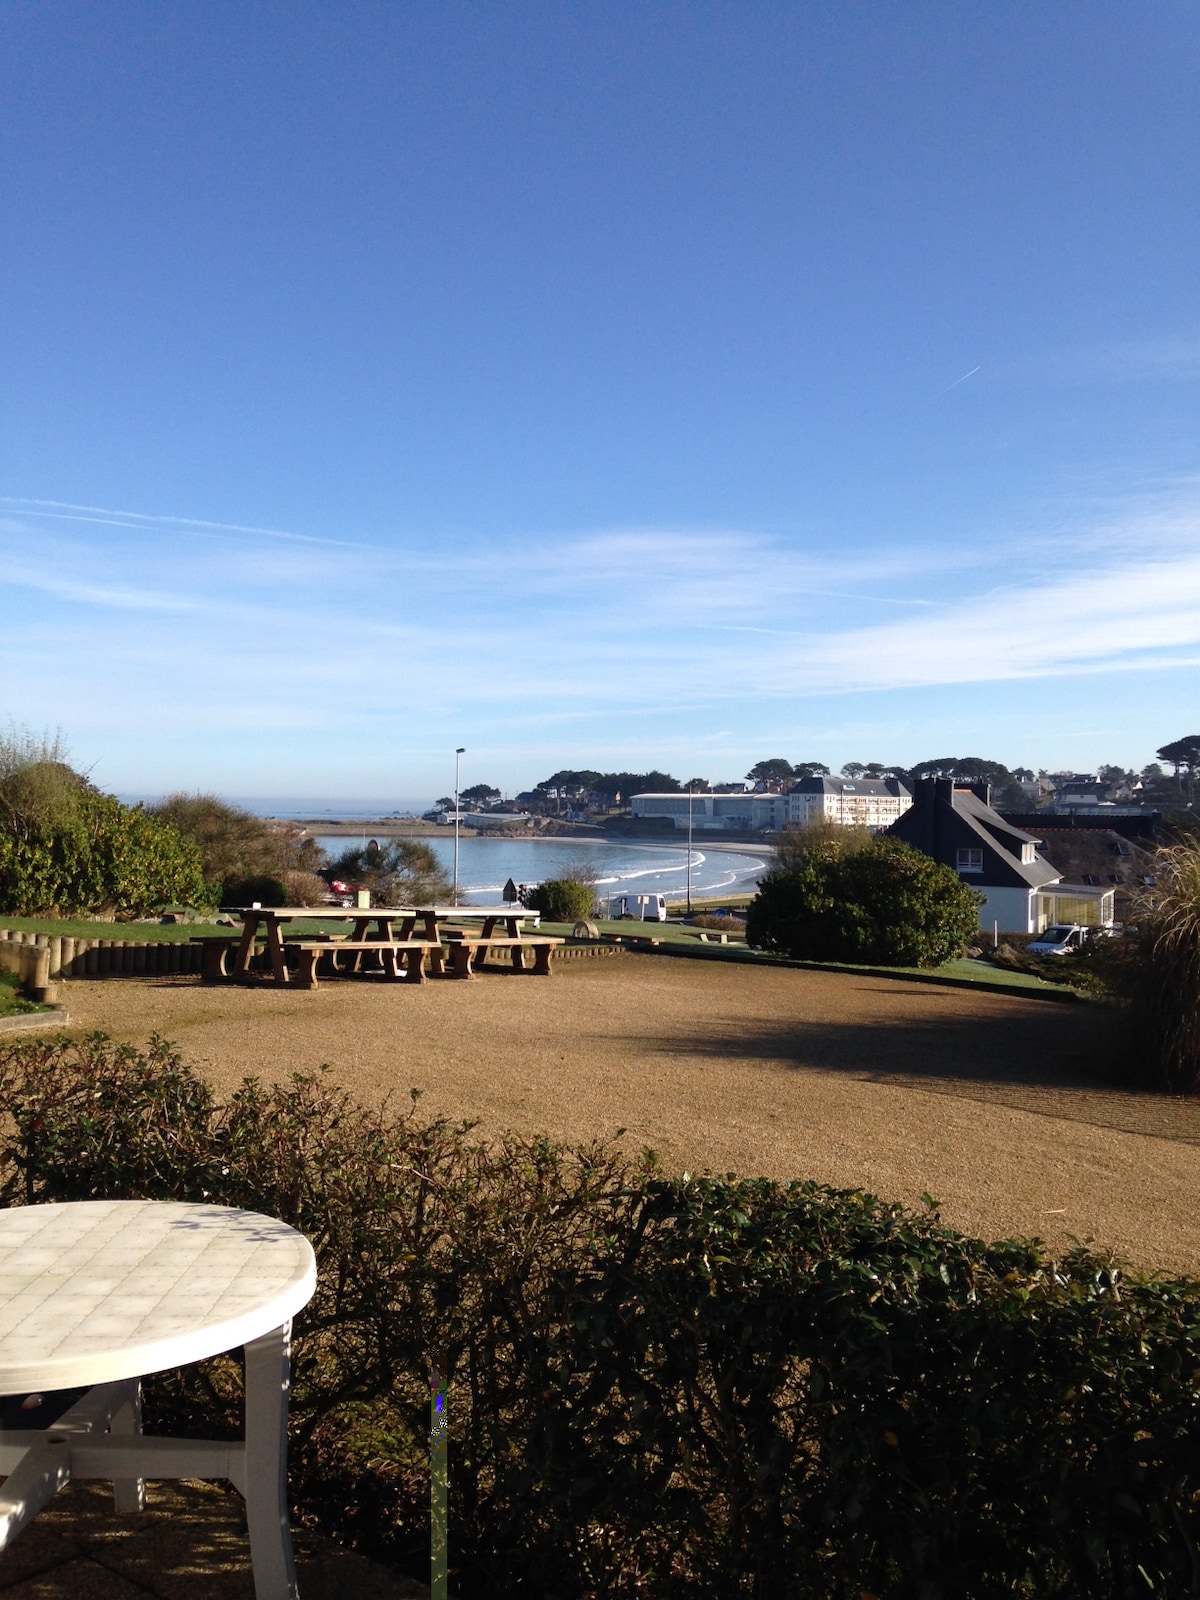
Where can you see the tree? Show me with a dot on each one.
(480, 794)
(697, 786)
(810, 769)
(882, 903)
(1184, 756)
(776, 770)
(617, 787)
(401, 872)
(853, 769)
(831, 840)
(67, 849)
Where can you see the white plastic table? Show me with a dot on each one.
(103, 1292)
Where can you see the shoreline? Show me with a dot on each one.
(403, 828)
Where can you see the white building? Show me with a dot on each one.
(747, 813)
(873, 803)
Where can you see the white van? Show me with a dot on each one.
(645, 907)
(1063, 939)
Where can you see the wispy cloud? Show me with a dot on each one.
(269, 638)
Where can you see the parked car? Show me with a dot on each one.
(1064, 939)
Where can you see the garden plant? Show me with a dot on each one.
(658, 1386)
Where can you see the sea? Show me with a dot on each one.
(484, 865)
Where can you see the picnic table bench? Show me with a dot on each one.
(397, 957)
(466, 948)
(408, 941)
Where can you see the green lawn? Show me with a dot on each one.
(71, 928)
(955, 972)
(12, 1002)
(670, 933)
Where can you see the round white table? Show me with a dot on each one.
(104, 1292)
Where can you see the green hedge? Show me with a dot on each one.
(691, 1387)
(879, 903)
(563, 899)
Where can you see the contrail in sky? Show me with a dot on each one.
(957, 381)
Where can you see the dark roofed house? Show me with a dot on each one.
(1023, 892)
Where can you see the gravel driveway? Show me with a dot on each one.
(982, 1100)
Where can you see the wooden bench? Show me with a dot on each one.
(396, 956)
(216, 958)
(464, 948)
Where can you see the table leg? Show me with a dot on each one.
(246, 949)
(129, 1494)
(275, 951)
(42, 1471)
(267, 1378)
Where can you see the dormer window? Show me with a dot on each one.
(970, 860)
(1028, 854)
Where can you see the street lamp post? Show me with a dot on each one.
(689, 869)
(458, 754)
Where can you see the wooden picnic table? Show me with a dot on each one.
(399, 934)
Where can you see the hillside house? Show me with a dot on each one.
(1022, 892)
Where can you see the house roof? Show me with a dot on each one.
(944, 819)
(886, 788)
(1005, 839)
(1098, 857)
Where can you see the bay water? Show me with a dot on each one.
(619, 868)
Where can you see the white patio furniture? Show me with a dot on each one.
(104, 1292)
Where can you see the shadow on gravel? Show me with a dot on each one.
(1045, 1059)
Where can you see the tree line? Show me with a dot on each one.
(576, 785)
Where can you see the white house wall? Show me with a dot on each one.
(1013, 909)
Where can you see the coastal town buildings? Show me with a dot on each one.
(709, 810)
(873, 803)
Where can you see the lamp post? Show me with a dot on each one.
(689, 869)
(458, 754)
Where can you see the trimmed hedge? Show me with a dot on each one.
(667, 1387)
(562, 899)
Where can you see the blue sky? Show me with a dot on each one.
(596, 385)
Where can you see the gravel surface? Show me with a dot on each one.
(981, 1100)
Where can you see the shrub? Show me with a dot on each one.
(680, 1388)
(1162, 974)
(882, 903)
(562, 899)
(97, 855)
(245, 891)
(238, 848)
(399, 872)
(304, 889)
(719, 919)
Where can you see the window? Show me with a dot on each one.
(970, 860)
(1092, 879)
